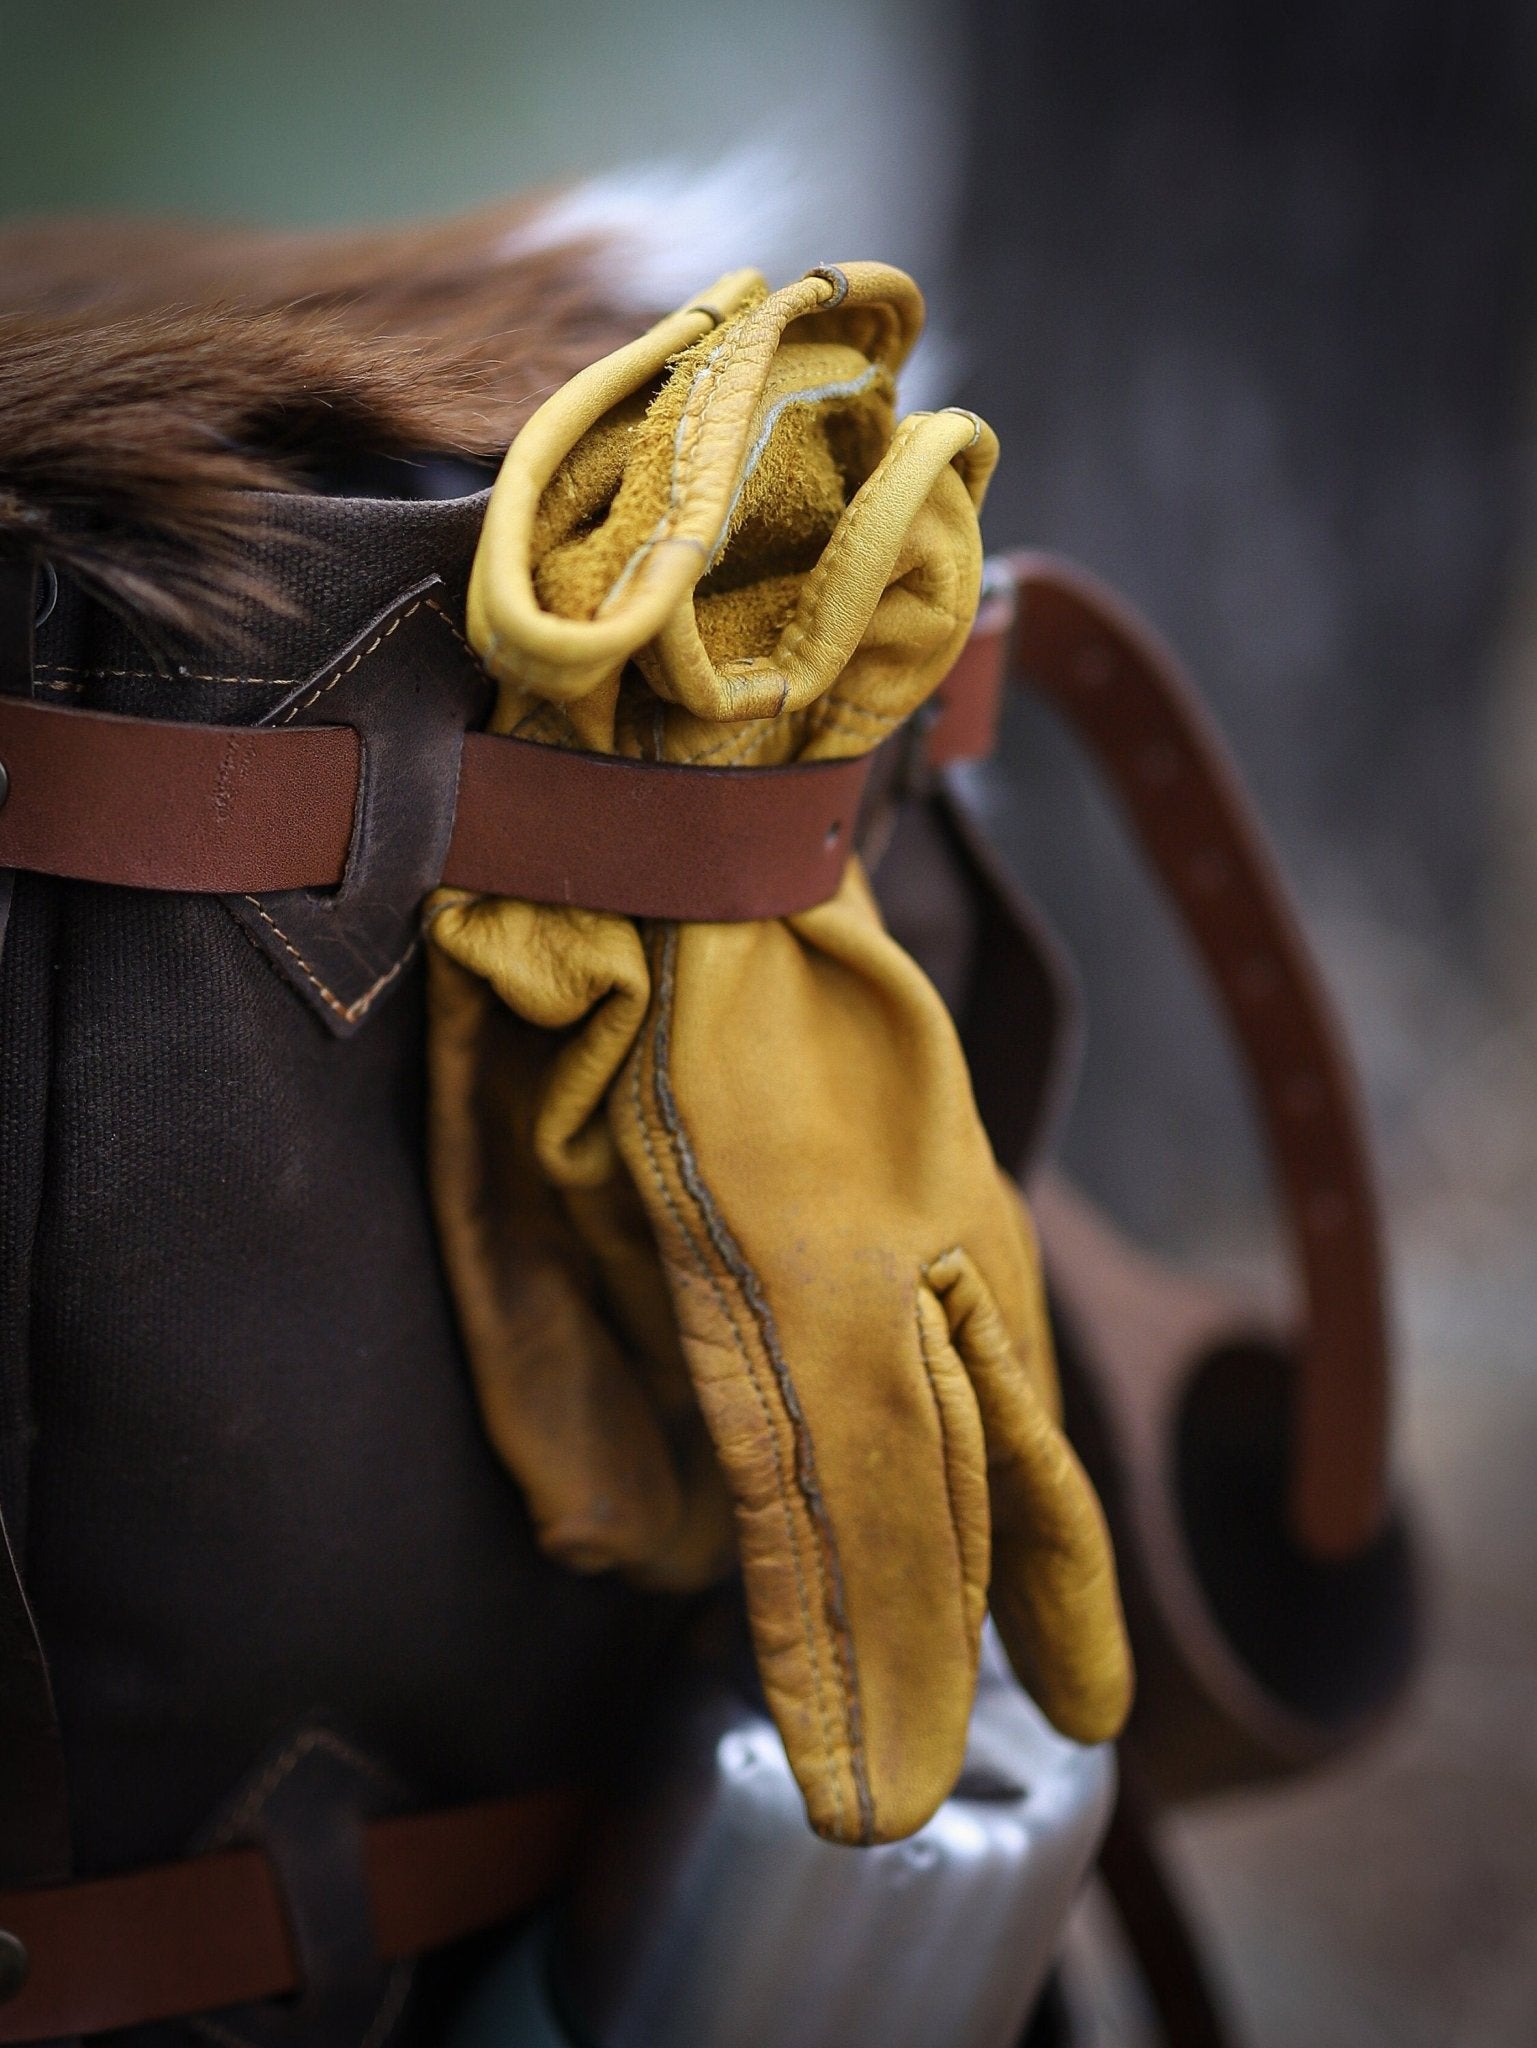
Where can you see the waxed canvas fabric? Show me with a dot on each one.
(242, 1459)
(732, 1178)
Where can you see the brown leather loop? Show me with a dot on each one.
(968, 702)
(191, 1937)
(712, 845)
(1126, 698)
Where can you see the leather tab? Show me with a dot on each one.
(407, 685)
(307, 1810)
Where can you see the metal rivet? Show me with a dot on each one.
(5, 785)
(834, 834)
(837, 277)
(14, 1964)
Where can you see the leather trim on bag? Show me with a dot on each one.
(185, 1938)
(402, 692)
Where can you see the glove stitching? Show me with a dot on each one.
(685, 443)
(830, 716)
(850, 525)
(806, 1475)
(840, 717)
(805, 625)
(842, 387)
(727, 1309)
(737, 746)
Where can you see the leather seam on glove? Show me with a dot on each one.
(843, 387)
(684, 454)
(848, 532)
(728, 1316)
(807, 1478)
(946, 1453)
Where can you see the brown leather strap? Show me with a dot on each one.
(240, 809)
(156, 805)
(712, 845)
(1126, 698)
(966, 706)
(1158, 1928)
(191, 1937)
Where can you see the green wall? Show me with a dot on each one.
(314, 110)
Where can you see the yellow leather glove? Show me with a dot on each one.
(744, 1160)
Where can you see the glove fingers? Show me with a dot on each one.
(612, 1224)
(847, 1431)
(1053, 1586)
(560, 1403)
(966, 1459)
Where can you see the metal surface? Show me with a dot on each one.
(510, 2007)
(15, 1963)
(714, 1918)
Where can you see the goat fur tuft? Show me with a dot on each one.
(153, 377)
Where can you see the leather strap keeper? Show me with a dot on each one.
(184, 1938)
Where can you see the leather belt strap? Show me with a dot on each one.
(710, 845)
(158, 804)
(252, 810)
(1127, 699)
(183, 1938)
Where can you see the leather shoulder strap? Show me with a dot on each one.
(1127, 700)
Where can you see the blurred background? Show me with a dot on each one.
(1248, 295)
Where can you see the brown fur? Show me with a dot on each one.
(153, 375)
